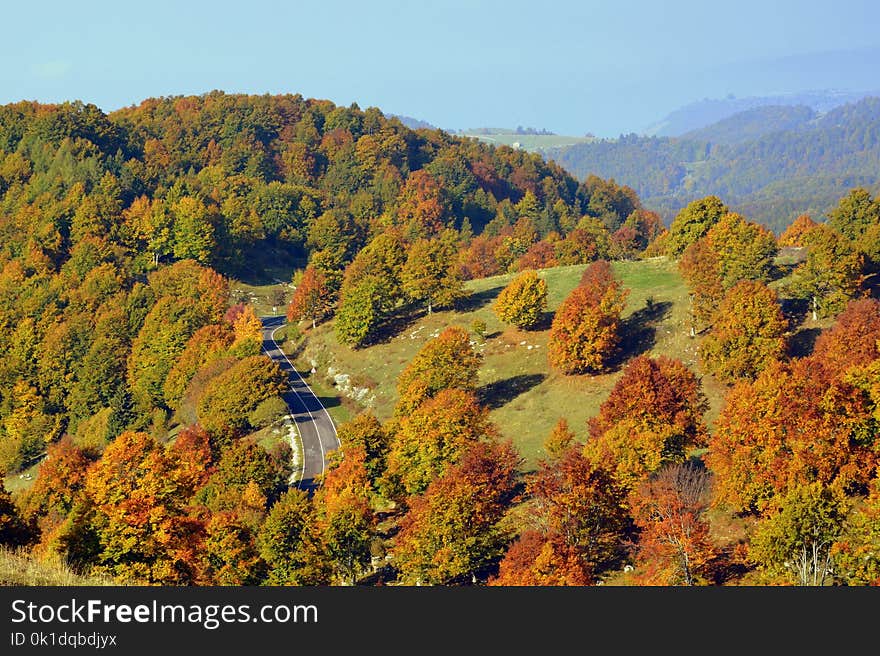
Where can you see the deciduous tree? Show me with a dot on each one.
(311, 298)
(831, 274)
(852, 340)
(207, 344)
(366, 432)
(747, 334)
(584, 332)
(579, 504)
(139, 514)
(431, 273)
(795, 232)
(693, 222)
(793, 543)
(290, 545)
(789, 427)
(230, 397)
(345, 519)
(523, 301)
(360, 312)
(559, 439)
(453, 530)
(674, 545)
(854, 214)
(536, 559)
(433, 437)
(652, 417)
(444, 362)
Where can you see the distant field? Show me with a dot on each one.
(530, 142)
(525, 397)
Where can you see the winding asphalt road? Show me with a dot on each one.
(317, 433)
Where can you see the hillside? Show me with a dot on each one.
(140, 249)
(804, 166)
(525, 396)
(702, 113)
(753, 124)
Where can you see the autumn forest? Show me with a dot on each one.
(136, 399)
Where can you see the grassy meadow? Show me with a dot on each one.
(525, 397)
(529, 142)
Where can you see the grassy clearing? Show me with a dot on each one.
(272, 436)
(18, 567)
(525, 397)
(264, 281)
(268, 300)
(530, 142)
(19, 481)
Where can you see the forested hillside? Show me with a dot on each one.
(803, 165)
(123, 351)
(722, 383)
(703, 113)
(752, 124)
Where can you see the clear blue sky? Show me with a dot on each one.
(568, 66)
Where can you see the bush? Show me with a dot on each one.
(268, 412)
(523, 301)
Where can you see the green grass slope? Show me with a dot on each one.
(525, 397)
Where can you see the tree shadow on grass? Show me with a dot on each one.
(795, 310)
(475, 301)
(639, 332)
(544, 322)
(392, 327)
(501, 392)
(802, 342)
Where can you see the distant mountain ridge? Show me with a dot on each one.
(754, 123)
(702, 113)
(804, 163)
(412, 123)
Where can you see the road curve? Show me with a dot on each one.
(317, 432)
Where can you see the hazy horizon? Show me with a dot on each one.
(568, 67)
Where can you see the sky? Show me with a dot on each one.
(572, 67)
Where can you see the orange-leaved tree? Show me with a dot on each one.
(790, 426)
(674, 545)
(794, 234)
(852, 340)
(652, 417)
(585, 329)
(748, 333)
(366, 432)
(580, 513)
(452, 530)
(559, 439)
(311, 298)
(136, 499)
(345, 519)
